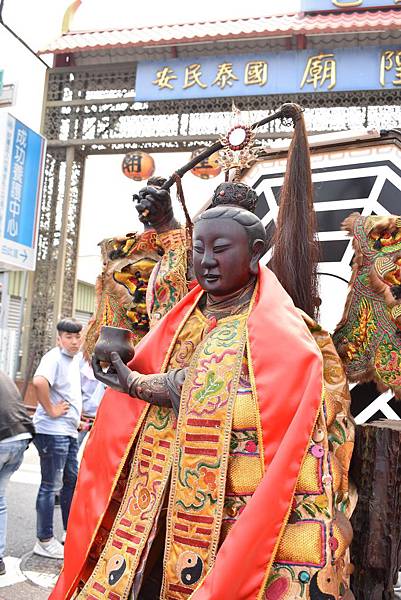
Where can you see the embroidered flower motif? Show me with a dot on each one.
(208, 478)
(162, 295)
(210, 388)
(191, 480)
(143, 498)
(212, 324)
(133, 507)
(317, 451)
(250, 446)
(333, 543)
(333, 372)
(277, 589)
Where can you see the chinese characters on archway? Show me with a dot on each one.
(255, 73)
(390, 67)
(320, 73)
(320, 70)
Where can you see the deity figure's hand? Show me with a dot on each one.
(163, 389)
(155, 209)
(118, 376)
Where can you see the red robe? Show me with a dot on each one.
(288, 370)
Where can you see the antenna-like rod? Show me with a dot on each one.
(282, 113)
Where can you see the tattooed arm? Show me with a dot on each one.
(163, 389)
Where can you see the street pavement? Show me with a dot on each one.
(28, 577)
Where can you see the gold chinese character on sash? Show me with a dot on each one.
(192, 76)
(319, 70)
(225, 76)
(390, 61)
(163, 78)
(256, 72)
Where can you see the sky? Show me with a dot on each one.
(105, 186)
(47, 15)
(176, 11)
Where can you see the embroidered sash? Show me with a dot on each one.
(115, 570)
(199, 476)
(201, 458)
(149, 474)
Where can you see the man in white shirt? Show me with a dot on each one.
(57, 382)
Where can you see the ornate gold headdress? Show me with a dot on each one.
(238, 151)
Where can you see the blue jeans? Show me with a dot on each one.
(59, 469)
(11, 455)
(81, 436)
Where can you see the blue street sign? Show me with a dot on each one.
(20, 188)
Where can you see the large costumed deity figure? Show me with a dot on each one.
(128, 264)
(368, 335)
(217, 467)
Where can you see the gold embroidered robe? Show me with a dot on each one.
(317, 535)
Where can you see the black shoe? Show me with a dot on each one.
(2, 567)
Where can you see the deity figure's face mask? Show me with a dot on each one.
(368, 338)
(221, 256)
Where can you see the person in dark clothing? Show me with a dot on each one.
(16, 431)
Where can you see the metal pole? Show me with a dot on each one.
(25, 331)
(27, 355)
(58, 295)
(4, 300)
(78, 226)
(24, 288)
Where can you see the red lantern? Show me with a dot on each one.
(207, 168)
(138, 165)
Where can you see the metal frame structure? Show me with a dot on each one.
(91, 109)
